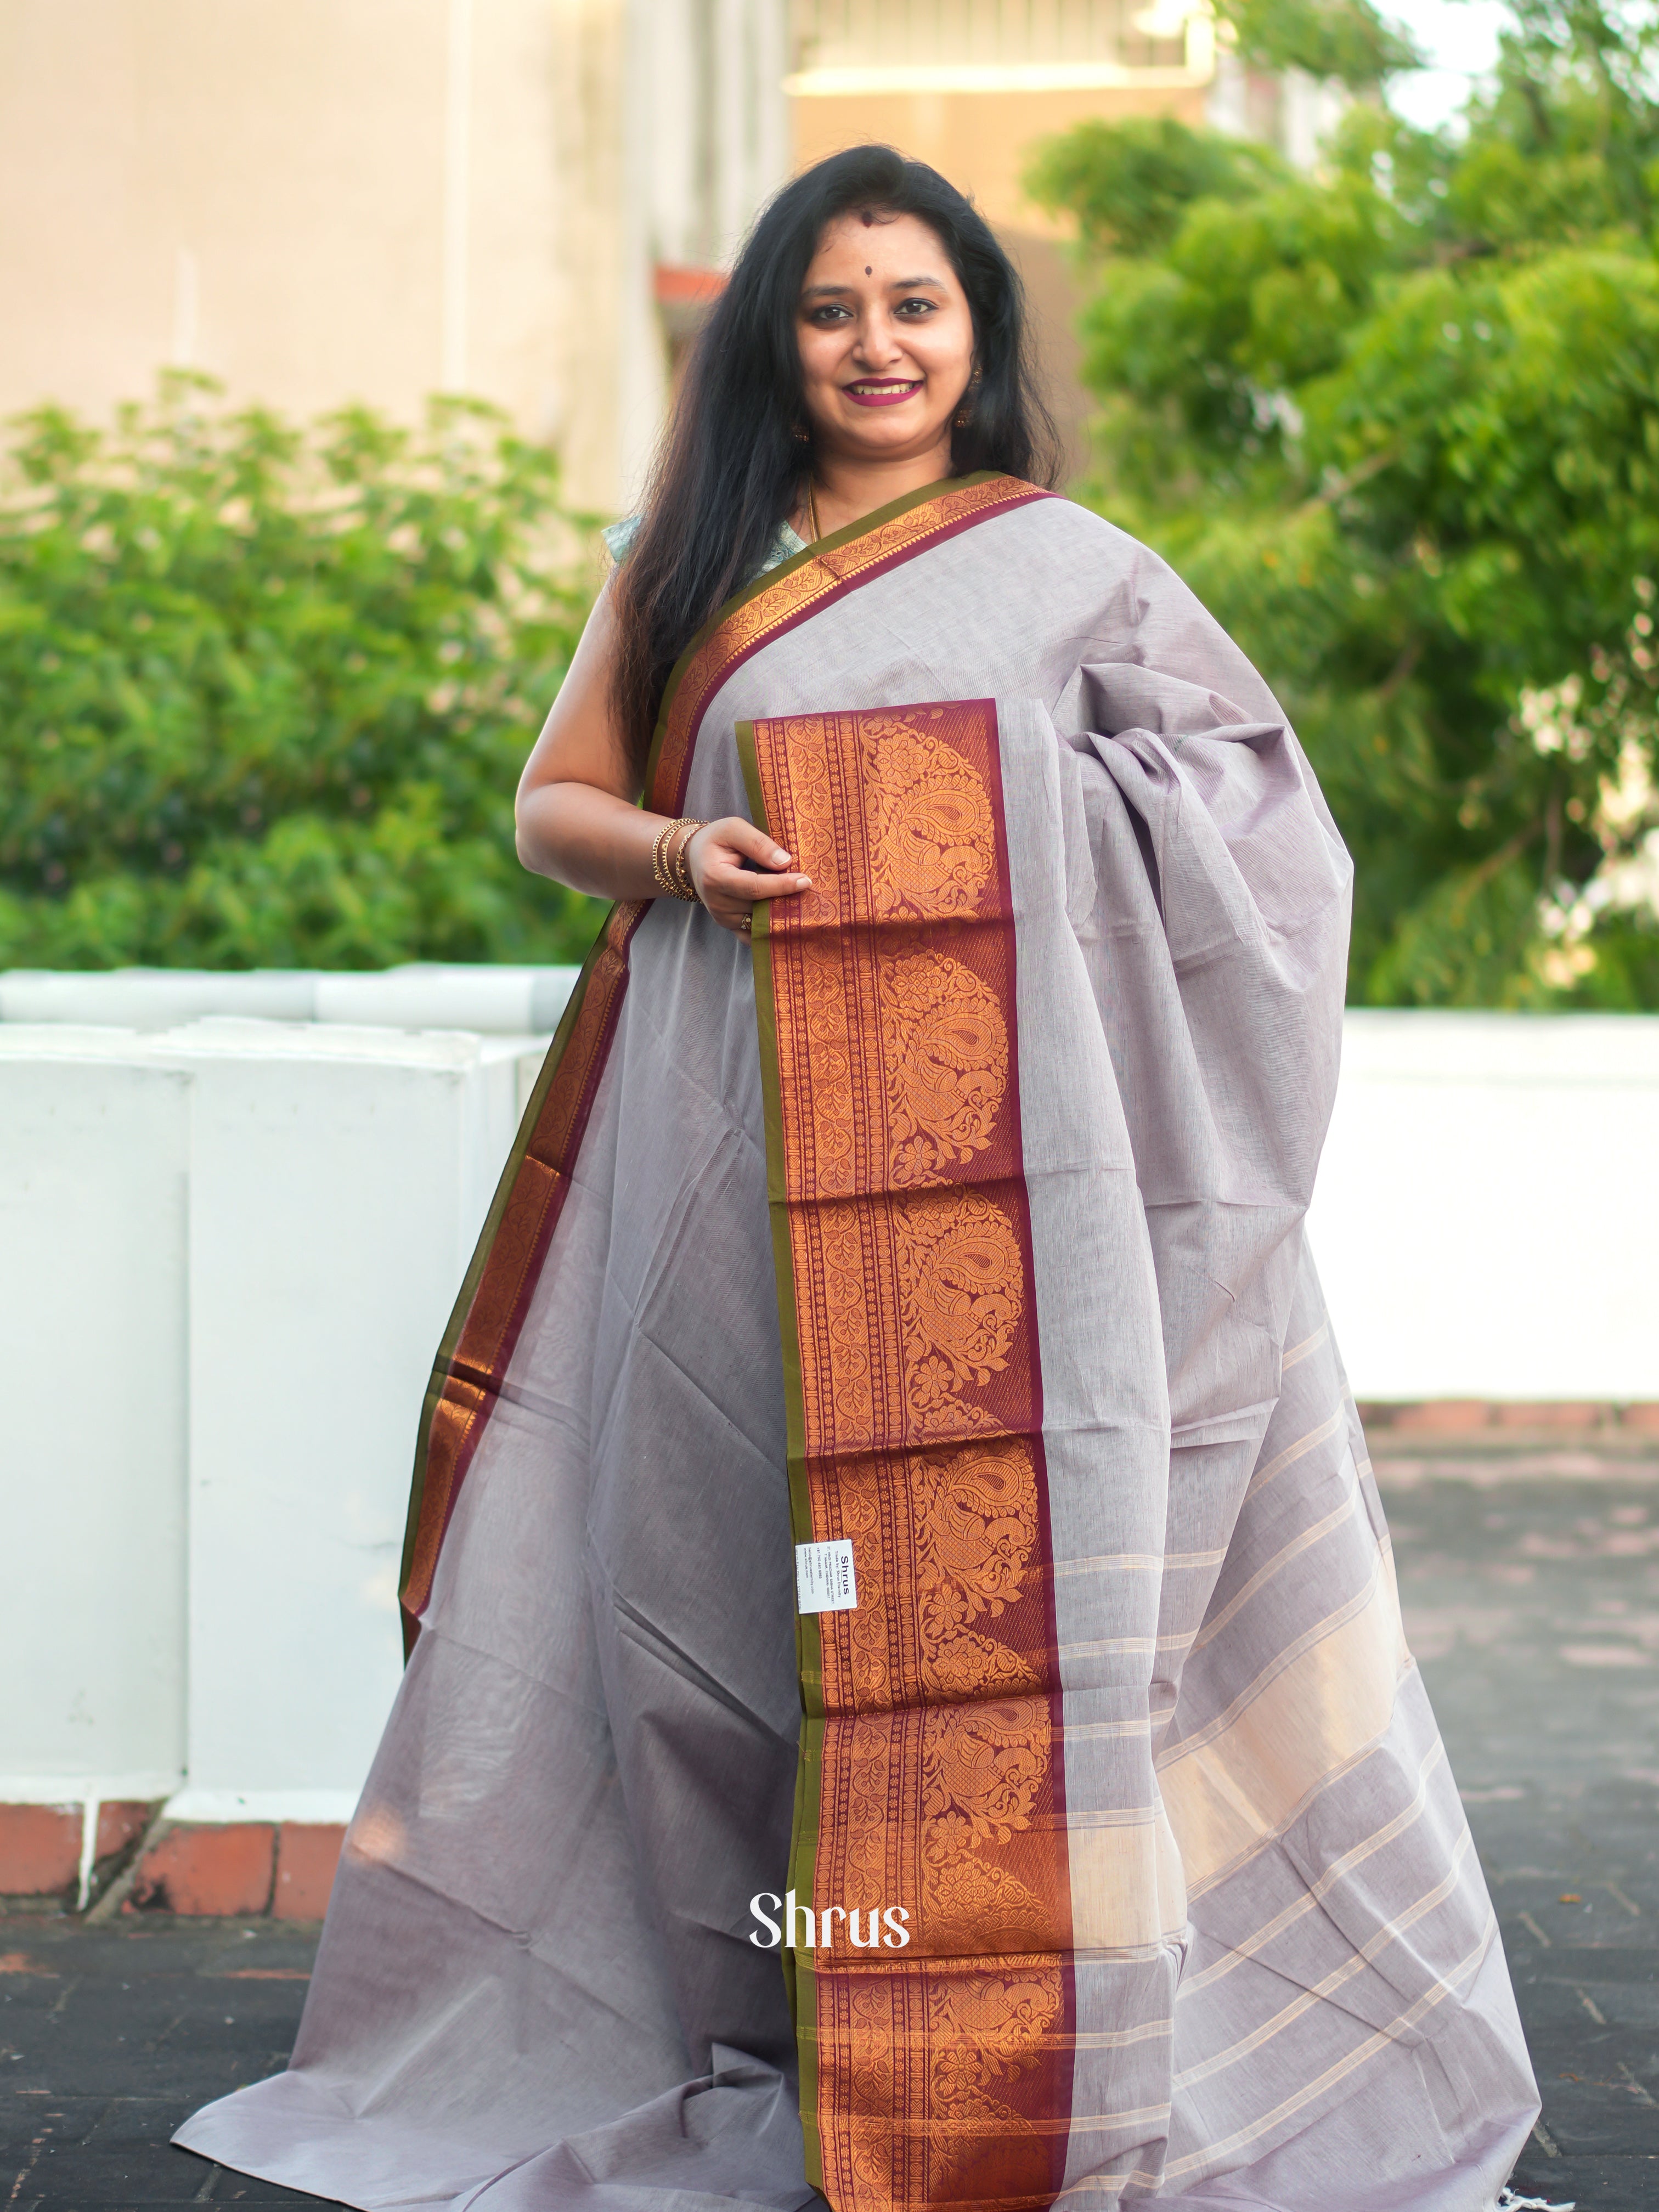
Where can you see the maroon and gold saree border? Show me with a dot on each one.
(931, 1770)
(798, 588)
(483, 1328)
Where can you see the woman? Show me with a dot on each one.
(917, 1179)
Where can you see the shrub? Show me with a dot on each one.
(265, 692)
(1396, 421)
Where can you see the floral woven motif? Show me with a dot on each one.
(940, 2074)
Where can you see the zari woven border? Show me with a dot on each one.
(483, 1328)
(937, 2072)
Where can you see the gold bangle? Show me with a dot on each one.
(678, 867)
(659, 875)
(668, 870)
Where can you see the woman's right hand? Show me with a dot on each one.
(576, 816)
(715, 855)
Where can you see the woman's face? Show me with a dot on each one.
(886, 339)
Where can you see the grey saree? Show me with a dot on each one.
(953, 1229)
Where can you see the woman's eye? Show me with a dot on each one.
(828, 313)
(922, 307)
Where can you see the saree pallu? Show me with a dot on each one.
(957, 1225)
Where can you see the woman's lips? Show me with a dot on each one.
(870, 391)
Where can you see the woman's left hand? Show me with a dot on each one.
(715, 855)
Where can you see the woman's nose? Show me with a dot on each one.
(877, 339)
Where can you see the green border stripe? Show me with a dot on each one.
(809, 1648)
(764, 582)
(451, 1336)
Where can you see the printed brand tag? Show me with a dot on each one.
(825, 1581)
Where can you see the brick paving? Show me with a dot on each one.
(1530, 1573)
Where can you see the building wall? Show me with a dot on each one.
(981, 140)
(319, 201)
(206, 186)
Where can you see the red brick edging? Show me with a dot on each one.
(284, 1868)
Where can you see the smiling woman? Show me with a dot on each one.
(889, 1454)
(870, 342)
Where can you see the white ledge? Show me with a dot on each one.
(329, 1808)
(143, 1787)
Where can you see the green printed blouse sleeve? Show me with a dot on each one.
(619, 537)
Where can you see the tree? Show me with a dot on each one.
(1397, 422)
(264, 694)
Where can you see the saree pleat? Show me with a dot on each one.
(963, 1224)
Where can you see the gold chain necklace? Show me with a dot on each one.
(812, 508)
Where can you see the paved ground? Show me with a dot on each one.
(109, 2035)
(1531, 1580)
(1531, 1587)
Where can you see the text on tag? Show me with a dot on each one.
(825, 1581)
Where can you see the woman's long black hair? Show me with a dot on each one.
(730, 468)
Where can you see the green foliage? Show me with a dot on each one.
(1347, 39)
(1397, 423)
(265, 694)
(1130, 184)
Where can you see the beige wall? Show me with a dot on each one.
(980, 140)
(286, 163)
(319, 201)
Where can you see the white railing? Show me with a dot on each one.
(421, 995)
(231, 1246)
(231, 1242)
(1486, 1222)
